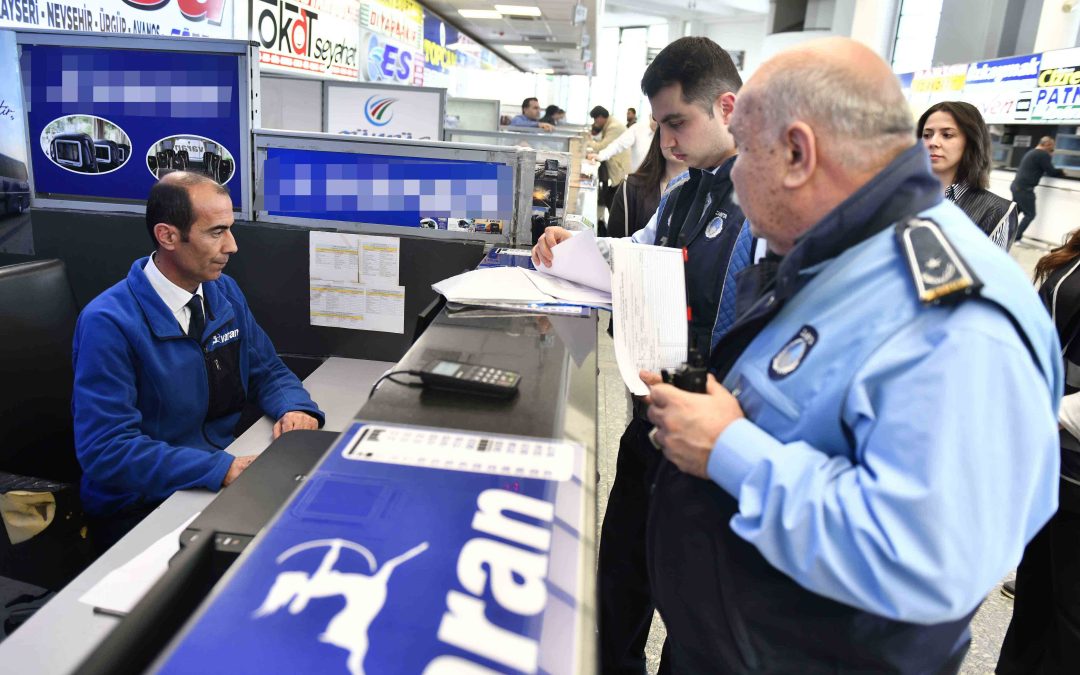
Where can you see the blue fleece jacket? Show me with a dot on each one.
(153, 407)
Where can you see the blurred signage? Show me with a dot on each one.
(399, 20)
(440, 38)
(316, 37)
(391, 62)
(1056, 97)
(1001, 88)
(103, 122)
(194, 18)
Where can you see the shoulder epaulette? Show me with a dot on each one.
(937, 268)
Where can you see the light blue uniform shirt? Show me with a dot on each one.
(912, 452)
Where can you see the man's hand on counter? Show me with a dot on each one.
(544, 126)
(541, 253)
(237, 468)
(294, 420)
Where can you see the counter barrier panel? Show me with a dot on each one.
(472, 113)
(533, 141)
(107, 115)
(381, 187)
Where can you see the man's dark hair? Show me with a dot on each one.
(701, 66)
(526, 102)
(599, 111)
(633, 110)
(170, 201)
(974, 167)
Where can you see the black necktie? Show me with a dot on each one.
(198, 321)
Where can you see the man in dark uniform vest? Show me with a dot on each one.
(845, 499)
(692, 86)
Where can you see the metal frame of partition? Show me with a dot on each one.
(492, 103)
(523, 161)
(544, 140)
(249, 113)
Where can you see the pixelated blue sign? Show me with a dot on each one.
(104, 123)
(382, 569)
(382, 189)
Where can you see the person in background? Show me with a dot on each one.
(884, 443)
(1035, 164)
(1044, 634)
(606, 130)
(553, 115)
(636, 138)
(692, 86)
(959, 145)
(530, 116)
(631, 116)
(637, 198)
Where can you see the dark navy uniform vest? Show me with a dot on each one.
(701, 216)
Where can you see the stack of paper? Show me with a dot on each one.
(578, 276)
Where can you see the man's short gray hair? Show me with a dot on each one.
(866, 120)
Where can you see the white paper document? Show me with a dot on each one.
(122, 588)
(648, 295)
(353, 282)
(380, 259)
(578, 259)
(516, 285)
(334, 256)
(341, 304)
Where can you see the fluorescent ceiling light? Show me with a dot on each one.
(479, 14)
(545, 71)
(518, 10)
(519, 49)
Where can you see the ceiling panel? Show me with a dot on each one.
(555, 25)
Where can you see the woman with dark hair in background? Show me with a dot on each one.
(636, 200)
(959, 145)
(1044, 635)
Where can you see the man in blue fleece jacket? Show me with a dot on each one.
(164, 362)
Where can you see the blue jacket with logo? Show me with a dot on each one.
(154, 408)
(895, 458)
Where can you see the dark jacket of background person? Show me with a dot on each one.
(1044, 633)
(634, 203)
(1035, 164)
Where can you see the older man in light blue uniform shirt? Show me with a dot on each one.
(884, 442)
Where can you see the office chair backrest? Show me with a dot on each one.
(38, 313)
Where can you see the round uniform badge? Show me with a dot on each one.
(716, 225)
(792, 354)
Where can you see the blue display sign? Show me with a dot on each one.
(438, 36)
(1010, 69)
(104, 123)
(383, 189)
(387, 568)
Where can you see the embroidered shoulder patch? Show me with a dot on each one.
(792, 354)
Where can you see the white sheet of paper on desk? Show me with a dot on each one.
(380, 260)
(334, 256)
(649, 299)
(578, 259)
(462, 451)
(516, 285)
(341, 304)
(122, 588)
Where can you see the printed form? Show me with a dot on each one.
(648, 296)
(353, 282)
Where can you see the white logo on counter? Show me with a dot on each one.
(365, 594)
(222, 338)
(514, 572)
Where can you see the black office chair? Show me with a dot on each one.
(37, 453)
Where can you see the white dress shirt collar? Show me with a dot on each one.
(174, 297)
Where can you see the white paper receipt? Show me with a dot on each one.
(458, 451)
